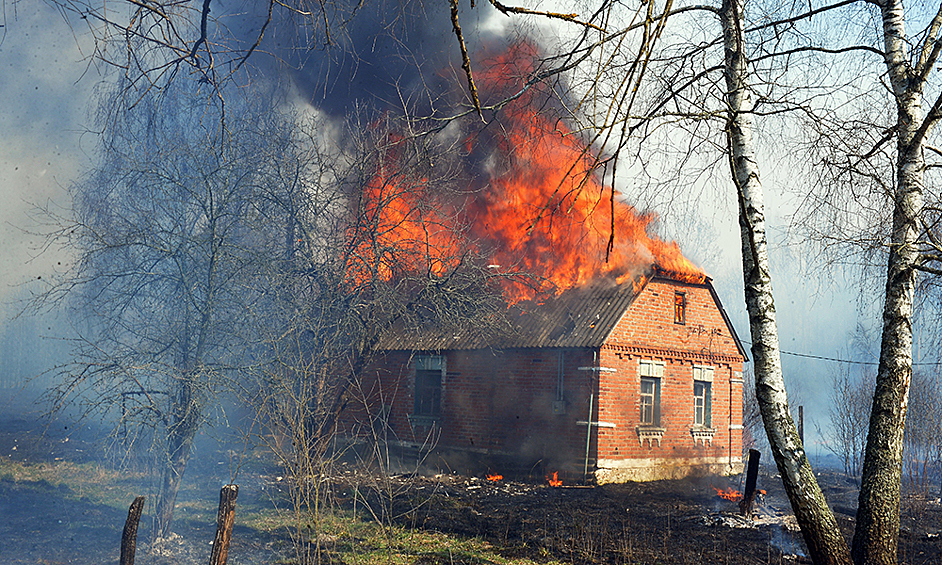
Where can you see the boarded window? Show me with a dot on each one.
(680, 308)
(651, 374)
(429, 370)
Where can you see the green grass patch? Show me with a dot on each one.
(90, 482)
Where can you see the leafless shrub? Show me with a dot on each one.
(851, 395)
(848, 412)
(168, 235)
(365, 251)
(922, 455)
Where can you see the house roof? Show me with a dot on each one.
(581, 317)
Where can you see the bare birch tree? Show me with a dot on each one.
(165, 236)
(872, 201)
(910, 245)
(911, 248)
(818, 525)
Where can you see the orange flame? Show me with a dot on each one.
(495, 477)
(545, 208)
(399, 226)
(534, 204)
(554, 480)
(728, 494)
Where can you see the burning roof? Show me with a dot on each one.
(525, 194)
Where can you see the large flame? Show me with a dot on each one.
(535, 204)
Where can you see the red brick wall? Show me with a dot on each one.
(493, 402)
(649, 322)
(647, 331)
(620, 393)
(506, 401)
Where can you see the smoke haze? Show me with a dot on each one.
(390, 58)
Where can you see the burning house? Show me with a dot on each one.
(621, 365)
(623, 382)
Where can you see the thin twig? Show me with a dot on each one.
(465, 60)
(573, 18)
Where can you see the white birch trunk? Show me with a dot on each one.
(877, 533)
(817, 522)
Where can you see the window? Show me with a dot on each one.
(651, 373)
(701, 403)
(680, 308)
(648, 397)
(428, 385)
(702, 396)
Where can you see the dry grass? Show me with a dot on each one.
(91, 482)
(338, 536)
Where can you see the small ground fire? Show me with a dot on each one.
(728, 494)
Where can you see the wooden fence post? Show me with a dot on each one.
(752, 475)
(224, 522)
(129, 537)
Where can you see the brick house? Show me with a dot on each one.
(622, 382)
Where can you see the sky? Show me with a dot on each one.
(48, 85)
(46, 91)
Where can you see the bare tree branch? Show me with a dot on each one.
(465, 59)
(574, 18)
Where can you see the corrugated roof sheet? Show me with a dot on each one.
(579, 317)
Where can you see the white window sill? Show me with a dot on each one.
(650, 433)
(702, 435)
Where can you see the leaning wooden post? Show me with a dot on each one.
(224, 521)
(752, 475)
(129, 537)
(801, 425)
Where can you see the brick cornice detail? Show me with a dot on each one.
(668, 353)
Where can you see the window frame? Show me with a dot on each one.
(652, 373)
(702, 404)
(703, 414)
(680, 308)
